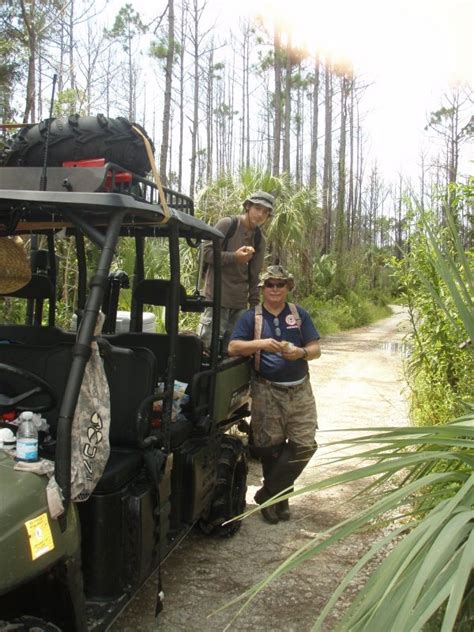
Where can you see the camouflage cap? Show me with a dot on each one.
(277, 272)
(261, 197)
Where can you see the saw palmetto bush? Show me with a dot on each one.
(420, 489)
(424, 483)
(439, 297)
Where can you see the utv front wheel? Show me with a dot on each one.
(230, 491)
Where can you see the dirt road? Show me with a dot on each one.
(358, 382)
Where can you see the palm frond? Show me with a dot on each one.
(435, 543)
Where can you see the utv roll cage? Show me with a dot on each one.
(170, 463)
(79, 202)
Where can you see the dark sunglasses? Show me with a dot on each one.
(278, 284)
(276, 323)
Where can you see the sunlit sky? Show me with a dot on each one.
(410, 51)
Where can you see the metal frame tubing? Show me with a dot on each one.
(136, 315)
(173, 316)
(216, 301)
(79, 361)
(82, 268)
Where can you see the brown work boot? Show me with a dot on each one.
(269, 514)
(283, 509)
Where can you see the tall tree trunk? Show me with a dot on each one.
(453, 141)
(62, 54)
(327, 171)
(242, 140)
(299, 133)
(399, 237)
(165, 130)
(357, 209)
(131, 100)
(40, 84)
(209, 115)
(268, 122)
(277, 104)
(29, 114)
(350, 193)
(108, 83)
(422, 181)
(72, 71)
(217, 129)
(195, 119)
(313, 164)
(244, 154)
(171, 177)
(287, 130)
(340, 240)
(247, 103)
(181, 98)
(228, 123)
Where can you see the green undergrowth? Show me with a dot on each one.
(339, 314)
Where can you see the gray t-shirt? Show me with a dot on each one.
(239, 280)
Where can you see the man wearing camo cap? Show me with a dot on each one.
(282, 338)
(242, 257)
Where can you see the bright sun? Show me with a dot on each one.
(431, 38)
(408, 51)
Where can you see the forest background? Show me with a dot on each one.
(262, 96)
(259, 105)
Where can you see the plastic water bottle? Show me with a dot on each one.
(27, 439)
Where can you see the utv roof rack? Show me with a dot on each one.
(36, 211)
(91, 176)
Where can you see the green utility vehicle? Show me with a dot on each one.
(166, 472)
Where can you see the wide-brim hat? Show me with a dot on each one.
(263, 198)
(279, 273)
(15, 269)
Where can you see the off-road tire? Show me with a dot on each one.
(231, 488)
(79, 138)
(28, 624)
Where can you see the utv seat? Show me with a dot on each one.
(122, 467)
(153, 292)
(34, 335)
(134, 363)
(131, 374)
(189, 351)
(39, 288)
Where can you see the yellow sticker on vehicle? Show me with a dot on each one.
(39, 532)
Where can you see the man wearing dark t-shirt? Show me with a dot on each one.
(242, 261)
(282, 338)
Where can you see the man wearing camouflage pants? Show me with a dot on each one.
(282, 338)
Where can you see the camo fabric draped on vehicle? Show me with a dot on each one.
(90, 426)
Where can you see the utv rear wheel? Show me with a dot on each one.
(79, 138)
(28, 624)
(231, 488)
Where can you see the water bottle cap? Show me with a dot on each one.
(26, 415)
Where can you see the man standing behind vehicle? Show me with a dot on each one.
(282, 338)
(243, 252)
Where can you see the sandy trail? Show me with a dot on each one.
(358, 382)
